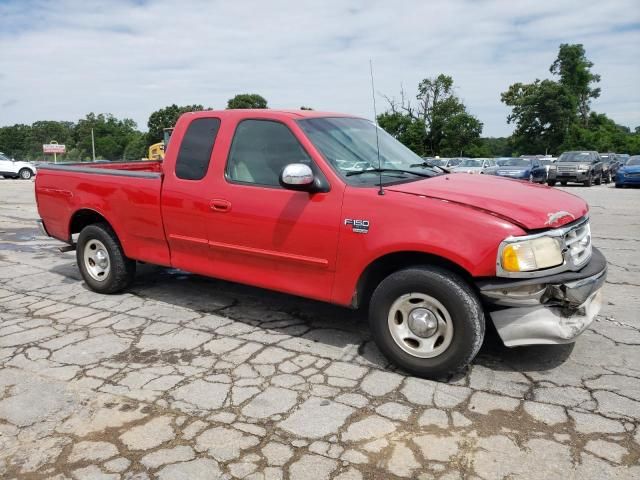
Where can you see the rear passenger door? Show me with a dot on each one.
(263, 234)
(185, 197)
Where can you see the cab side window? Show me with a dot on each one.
(196, 147)
(260, 150)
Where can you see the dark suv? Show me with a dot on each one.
(609, 166)
(581, 167)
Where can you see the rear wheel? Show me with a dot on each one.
(101, 260)
(427, 320)
(551, 183)
(25, 174)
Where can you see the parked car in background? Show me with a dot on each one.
(522, 168)
(629, 173)
(477, 165)
(448, 163)
(621, 159)
(580, 167)
(609, 162)
(549, 164)
(12, 168)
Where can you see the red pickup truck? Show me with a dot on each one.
(330, 207)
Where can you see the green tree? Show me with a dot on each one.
(136, 148)
(551, 116)
(574, 70)
(111, 135)
(543, 114)
(15, 141)
(247, 100)
(166, 118)
(436, 123)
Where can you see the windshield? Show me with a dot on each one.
(469, 162)
(515, 162)
(635, 160)
(349, 145)
(3, 157)
(575, 157)
(545, 162)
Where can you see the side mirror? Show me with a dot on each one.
(299, 176)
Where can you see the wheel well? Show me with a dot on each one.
(384, 266)
(83, 218)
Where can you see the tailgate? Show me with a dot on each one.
(126, 198)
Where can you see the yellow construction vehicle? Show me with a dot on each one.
(156, 151)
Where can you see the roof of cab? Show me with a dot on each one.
(268, 113)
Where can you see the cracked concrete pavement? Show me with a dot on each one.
(185, 377)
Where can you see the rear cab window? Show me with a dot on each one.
(196, 147)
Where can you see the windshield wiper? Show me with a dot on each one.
(430, 165)
(383, 170)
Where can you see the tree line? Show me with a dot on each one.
(549, 116)
(115, 139)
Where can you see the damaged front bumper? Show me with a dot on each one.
(546, 310)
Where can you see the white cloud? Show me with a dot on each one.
(61, 60)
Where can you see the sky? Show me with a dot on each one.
(60, 60)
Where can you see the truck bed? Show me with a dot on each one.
(67, 193)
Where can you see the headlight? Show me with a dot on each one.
(583, 167)
(529, 255)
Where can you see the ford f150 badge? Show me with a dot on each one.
(358, 226)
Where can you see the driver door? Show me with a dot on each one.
(263, 234)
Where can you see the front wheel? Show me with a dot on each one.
(427, 320)
(588, 182)
(599, 180)
(551, 183)
(25, 174)
(101, 260)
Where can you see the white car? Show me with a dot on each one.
(477, 165)
(10, 168)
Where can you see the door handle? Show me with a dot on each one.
(220, 205)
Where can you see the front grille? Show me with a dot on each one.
(566, 169)
(577, 242)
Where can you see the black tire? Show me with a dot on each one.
(122, 270)
(551, 183)
(619, 185)
(588, 182)
(25, 174)
(564, 184)
(455, 295)
(598, 180)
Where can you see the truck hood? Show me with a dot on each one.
(529, 206)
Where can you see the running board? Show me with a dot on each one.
(67, 248)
